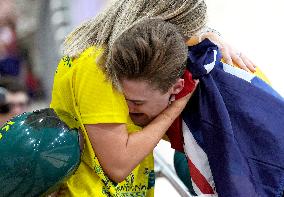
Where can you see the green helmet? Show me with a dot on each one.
(38, 151)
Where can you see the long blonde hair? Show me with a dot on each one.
(188, 15)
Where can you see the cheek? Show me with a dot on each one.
(159, 107)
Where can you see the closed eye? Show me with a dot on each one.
(140, 103)
(136, 102)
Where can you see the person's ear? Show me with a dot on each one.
(178, 86)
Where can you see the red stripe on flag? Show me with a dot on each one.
(199, 180)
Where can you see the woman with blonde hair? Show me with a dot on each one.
(117, 159)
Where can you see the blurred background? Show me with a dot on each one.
(31, 33)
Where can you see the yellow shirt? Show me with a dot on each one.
(81, 90)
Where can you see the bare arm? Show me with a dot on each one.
(119, 152)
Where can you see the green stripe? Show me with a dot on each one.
(182, 170)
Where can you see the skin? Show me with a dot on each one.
(145, 102)
(230, 54)
(18, 104)
(128, 150)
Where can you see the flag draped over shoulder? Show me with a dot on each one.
(232, 130)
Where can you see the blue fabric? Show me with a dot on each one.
(10, 66)
(239, 125)
(261, 84)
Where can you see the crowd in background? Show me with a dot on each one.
(18, 82)
(25, 60)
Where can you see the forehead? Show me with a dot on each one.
(138, 90)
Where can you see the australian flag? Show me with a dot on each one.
(232, 130)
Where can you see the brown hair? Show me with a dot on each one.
(152, 50)
(190, 16)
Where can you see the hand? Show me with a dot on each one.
(176, 106)
(230, 55)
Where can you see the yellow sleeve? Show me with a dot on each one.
(97, 100)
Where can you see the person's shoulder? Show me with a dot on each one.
(90, 53)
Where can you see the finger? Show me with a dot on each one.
(226, 56)
(239, 62)
(227, 59)
(247, 59)
(249, 64)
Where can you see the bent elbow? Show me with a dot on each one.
(118, 179)
(117, 175)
